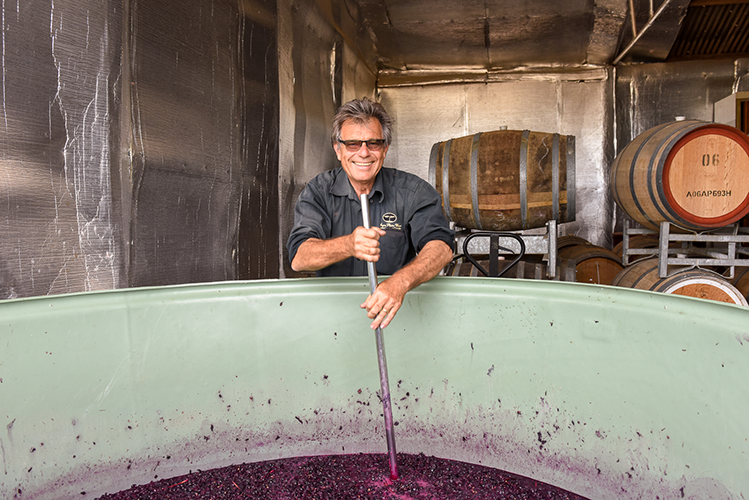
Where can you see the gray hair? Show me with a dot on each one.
(360, 111)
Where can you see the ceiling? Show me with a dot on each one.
(502, 35)
(713, 29)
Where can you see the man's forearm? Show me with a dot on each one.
(316, 254)
(428, 263)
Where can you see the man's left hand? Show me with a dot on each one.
(384, 303)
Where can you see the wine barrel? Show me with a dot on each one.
(522, 270)
(690, 173)
(640, 241)
(593, 264)
(570, 240)
(691, 282)
(505, 180)
(741, 281)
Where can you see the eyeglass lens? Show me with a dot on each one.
(372, 145)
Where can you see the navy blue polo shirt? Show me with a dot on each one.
(404, 205)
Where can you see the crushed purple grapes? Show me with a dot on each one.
(347, 477)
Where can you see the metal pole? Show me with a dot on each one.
(384, 385)
(642, 31)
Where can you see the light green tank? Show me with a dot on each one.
(610, 393)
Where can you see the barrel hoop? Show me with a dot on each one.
(740, 275)
(571, 178)
(433, 164)
(632, 170)
(689, 278)
(524, 178)
(671, 216)
(591, 252)
(555, 178)
(446, 179)
(642, 275)
(668, 284)
(474, 180)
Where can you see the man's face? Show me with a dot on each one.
(362, 165)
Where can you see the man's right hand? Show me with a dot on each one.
(365, 243)
(316, 254)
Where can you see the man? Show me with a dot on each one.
(409, 238)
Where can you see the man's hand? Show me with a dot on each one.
(382, 305)
(365, 243)
(316, 254)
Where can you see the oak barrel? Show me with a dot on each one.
(741, 281)
(639, 242)
(570, 240)
(593, 264)
(505, 180)
(692, 282)
(691, 173)
(522, 270)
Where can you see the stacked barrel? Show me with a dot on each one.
(693, 175)
(505, 180)
(510, 180)
(689, 173)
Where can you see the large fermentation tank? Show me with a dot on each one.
(610, 393)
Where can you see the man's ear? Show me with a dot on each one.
(337, 149)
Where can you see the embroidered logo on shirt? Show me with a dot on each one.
(390, 221)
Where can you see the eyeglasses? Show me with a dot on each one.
(372, 145)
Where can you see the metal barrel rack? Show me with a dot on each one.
(724, 246)
(488, 242)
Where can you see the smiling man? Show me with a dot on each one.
(410, 239)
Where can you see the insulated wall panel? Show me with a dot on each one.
(58, 134)
(186, 152)
(323, 62)
(138, 144)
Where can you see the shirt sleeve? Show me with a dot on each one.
(311, 219)
(428, 223)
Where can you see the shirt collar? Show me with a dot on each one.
(342, 187)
